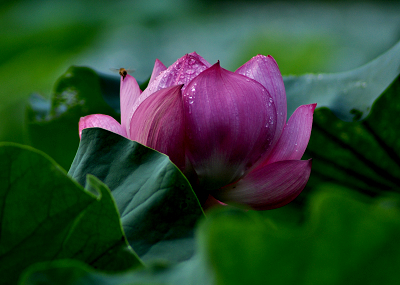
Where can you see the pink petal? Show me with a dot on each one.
(159, 123)
(101, 121)
(295, 136)
(211, 202)
(264, 70)
(181, 72)
(229, 124)
(268, 187)
(129, 93)
(158, 68)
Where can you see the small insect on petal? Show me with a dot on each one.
(122, 71)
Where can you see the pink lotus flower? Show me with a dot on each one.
(226, 131)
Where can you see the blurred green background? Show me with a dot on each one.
(40, 40)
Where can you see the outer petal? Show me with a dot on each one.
(295, 136)
(229, 124)
(264, 70)
(268, 187)
(101, 121)
(181, 72)
(129, 93)
(159, 123)
(211, 202)
(158, 68)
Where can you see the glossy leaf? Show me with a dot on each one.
(349, 95)
(46, 216)
(157, 205)
(346, 239)
(364, 155)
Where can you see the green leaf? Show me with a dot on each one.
(158, 207)
(45, 215)
(350, 94)
(364, 155)
(53, 125)
(67, 272)
(347, 238)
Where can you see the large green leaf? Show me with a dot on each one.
(347, 238)
(364, 155)
(350, 94)
(45, 215)
(158, 207)
(53, 125)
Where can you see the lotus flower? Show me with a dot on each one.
(226, 131)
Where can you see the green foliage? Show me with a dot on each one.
(364, 155)
(157, 204)
(53, 125)
(346, 239)
(349, 95)
(46, 216)
(340, 237)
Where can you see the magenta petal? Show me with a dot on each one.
(101, 121)
(158, 123)
(181, 72)
(268, 187)
(229, 124)
(211, 202)
(264, 70)
(158, 68)
(295, 136)
(129, 93)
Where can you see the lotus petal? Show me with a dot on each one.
(158, 68)
(101, 121)
(229, 124)
(159, 123)
(268, 187)
(295, 136)
(265, 70)
(181, 72)
(129, 93)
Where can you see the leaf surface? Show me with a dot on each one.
(157, 204)
(45, 215)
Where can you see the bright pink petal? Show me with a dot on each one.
(101, 121)
(268, 187)
(229, 124)
(181, 72)
(129, 93)
(159, 123)
(295, 136)
(264, 70)
(158, 68)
